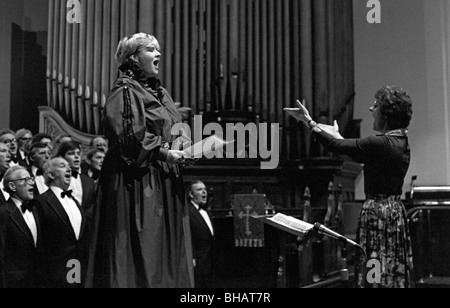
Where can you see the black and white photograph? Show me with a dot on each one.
(225, 149)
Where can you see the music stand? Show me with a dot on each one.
(303, 237)
(305, 233)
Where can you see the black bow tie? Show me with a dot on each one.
(26, 206)
(67, 193)
(203, 206)
(39, 172)
(75, 174)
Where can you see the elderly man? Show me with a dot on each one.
(19, 233)
(39, 155)
(8, 137)
(63, 224)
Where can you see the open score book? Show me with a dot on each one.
(287, 223)
(206, 146)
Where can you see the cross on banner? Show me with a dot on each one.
(247, 216)
(248, 232)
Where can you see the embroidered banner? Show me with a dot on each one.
(248, 232)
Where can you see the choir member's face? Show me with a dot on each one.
(24, 142)
(101, 144)
(48, 142)
(22, 185)
(5, 157)
(97, 161)
(61, 173)
(149, 58)
(198, 193)
(40, 156)
(73, 157)
(11, 142)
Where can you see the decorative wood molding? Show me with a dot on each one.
(52, 123)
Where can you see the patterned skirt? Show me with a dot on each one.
(384, 234)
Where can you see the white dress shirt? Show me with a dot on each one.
(71, 209)
(205, 217)
(22, 154)
(40, 181)
(29, 219)
(77, 187)
(5, 193)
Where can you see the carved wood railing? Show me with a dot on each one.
(52, 123)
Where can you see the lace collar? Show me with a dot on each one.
(133, 71)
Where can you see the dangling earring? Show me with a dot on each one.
(138, 73)
(129, 73)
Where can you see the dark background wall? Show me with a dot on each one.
(23, 49)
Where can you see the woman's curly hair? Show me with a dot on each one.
(396, 105)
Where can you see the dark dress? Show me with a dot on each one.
(142, 222)
(382, 227)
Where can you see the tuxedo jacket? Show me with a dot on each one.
(84, 166)
(59, 243)
(19, 256)
(202, 242)
(2, 198)
(89, 199)
(22, 161)
(88, 185)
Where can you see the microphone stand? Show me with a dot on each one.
(344, 273)
(344, 270)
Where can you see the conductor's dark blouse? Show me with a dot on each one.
(386, 159)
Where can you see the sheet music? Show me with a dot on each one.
(292, 222)
(206, 146)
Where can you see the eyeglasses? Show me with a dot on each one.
(25, 139)
(8, 141)
(28, 180)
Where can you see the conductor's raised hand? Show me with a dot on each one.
(300, 113)
(332, 130)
